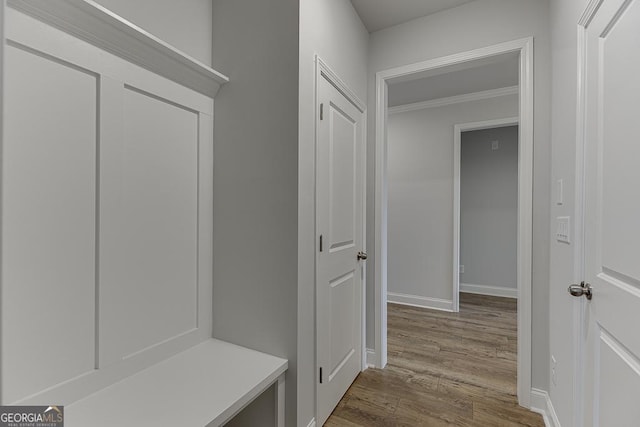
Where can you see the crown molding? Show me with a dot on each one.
(90, 22)
(440, 102)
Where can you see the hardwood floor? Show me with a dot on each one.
(444, 369)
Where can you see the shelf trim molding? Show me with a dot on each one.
(94, 24)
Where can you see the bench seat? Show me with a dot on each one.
(205, 385)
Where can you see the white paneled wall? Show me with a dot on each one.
(49, 212)
(149, 205)
(106, 216)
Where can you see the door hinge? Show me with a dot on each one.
(321, 243)
(320, 375)
(321, 111)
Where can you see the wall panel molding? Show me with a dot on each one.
(97, 25)
(150, 169)
(48, 240)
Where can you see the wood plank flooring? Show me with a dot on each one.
(444, 369)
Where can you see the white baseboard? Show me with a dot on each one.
(495, 291)
(541, 403)
(312, 423)
(371, 358)
(423, 302)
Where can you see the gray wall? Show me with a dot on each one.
(473, 25)
(420, 178)
(255, 219)
(185, 24)
(489, 207)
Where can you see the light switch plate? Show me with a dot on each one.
(563, 229)
(559, 192)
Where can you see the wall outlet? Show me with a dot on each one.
(461, 268)
(554, 377)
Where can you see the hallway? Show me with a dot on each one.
(444, 369)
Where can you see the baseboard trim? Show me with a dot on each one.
(422, 302)
(541, 403)
(312, 423)
(371, 358)
(496, 291)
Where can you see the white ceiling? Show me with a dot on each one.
(476, 76)
(379, 14)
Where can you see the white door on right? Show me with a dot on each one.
(612, 216)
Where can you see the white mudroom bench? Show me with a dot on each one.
(206, 385)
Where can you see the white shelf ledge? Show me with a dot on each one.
(99, 26)
(205, 385)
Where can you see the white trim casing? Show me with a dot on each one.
(2, 112)
(380, 223)
(467, 97)
(579, 229)
(457, 151)
(541, 403)
(496, 291)
(365, 354)
(371, 358)
(339, 84)
(418, 301)
(525, 200)
(525, 221)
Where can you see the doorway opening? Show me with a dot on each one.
(485, 208)
(523, 49)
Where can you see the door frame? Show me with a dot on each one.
(579, 224)
(524, 47)
(323, 71)
(457, 151)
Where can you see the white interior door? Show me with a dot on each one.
(612, 216)
(340, 238)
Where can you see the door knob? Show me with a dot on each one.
(582, 289)
(362, 255)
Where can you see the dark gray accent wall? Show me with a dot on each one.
(489, 207)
